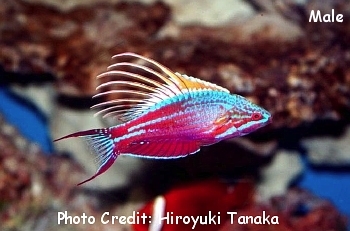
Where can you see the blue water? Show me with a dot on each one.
(27, 122)
(333, 185)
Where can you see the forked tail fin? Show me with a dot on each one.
(102, 145)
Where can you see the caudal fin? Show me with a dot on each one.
(80, 134)
(102, 145)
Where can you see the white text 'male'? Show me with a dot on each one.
(319, 17)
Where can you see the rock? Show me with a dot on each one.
(269, 27)
(209, 13)
(264, 149)
(41, 95)
(330, 151)
(30, 179)
(296, 210)
(277, 176)
(68, 5)
(62, 43)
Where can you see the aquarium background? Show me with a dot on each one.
(269, 52)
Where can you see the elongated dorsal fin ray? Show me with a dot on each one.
(149, 70)
(132, 88)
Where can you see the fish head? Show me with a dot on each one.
(242, 118)
(247, 117)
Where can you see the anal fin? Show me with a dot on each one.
(161, 148)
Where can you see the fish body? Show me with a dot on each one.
(166, 114)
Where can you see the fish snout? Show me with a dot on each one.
(267, 117)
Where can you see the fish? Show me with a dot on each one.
(196, 199)
(164, 114)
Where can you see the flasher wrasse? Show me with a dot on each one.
(165, 114)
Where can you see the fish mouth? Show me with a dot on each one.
(267, 117)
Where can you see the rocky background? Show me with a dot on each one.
(51, 51)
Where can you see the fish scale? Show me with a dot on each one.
(172, 116)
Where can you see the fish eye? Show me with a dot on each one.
(256, 116)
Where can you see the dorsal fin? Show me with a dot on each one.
(140, 86)
(192, 83)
